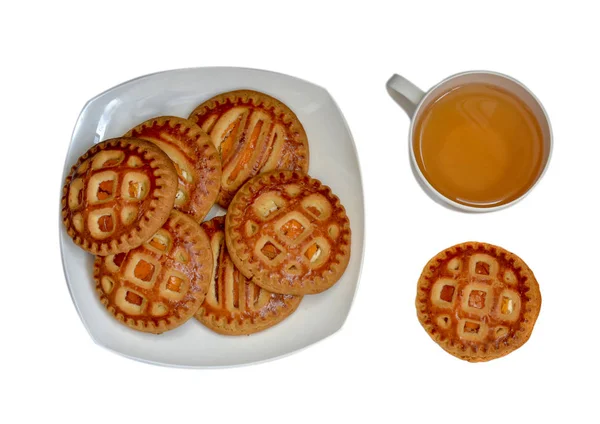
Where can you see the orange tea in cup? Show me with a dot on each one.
(479, 145)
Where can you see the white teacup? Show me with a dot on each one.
(414, 101)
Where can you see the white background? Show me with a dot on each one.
(382, 366)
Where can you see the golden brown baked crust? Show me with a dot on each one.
(478, 301)
(195, 158)
(117, 195)
(289, 233)
(161, 284)
(234, 305)
(254, 133)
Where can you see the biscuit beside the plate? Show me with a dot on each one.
(478, 301)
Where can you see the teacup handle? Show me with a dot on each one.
(405, 93)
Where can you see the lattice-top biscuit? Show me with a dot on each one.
(234, 305)
(195, 158)
(117, 195)
(289, 233)
(161, 284)
(254, 133)
(478, 301)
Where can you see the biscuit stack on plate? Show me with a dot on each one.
(138, 203)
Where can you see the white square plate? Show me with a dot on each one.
(333, 160)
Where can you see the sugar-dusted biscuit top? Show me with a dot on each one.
(117, 195)
(196, 160)
(254, 133)
(234, 305)
(289, 233)
(161, 284)
(478, 301)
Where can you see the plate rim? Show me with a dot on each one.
(66, 168)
